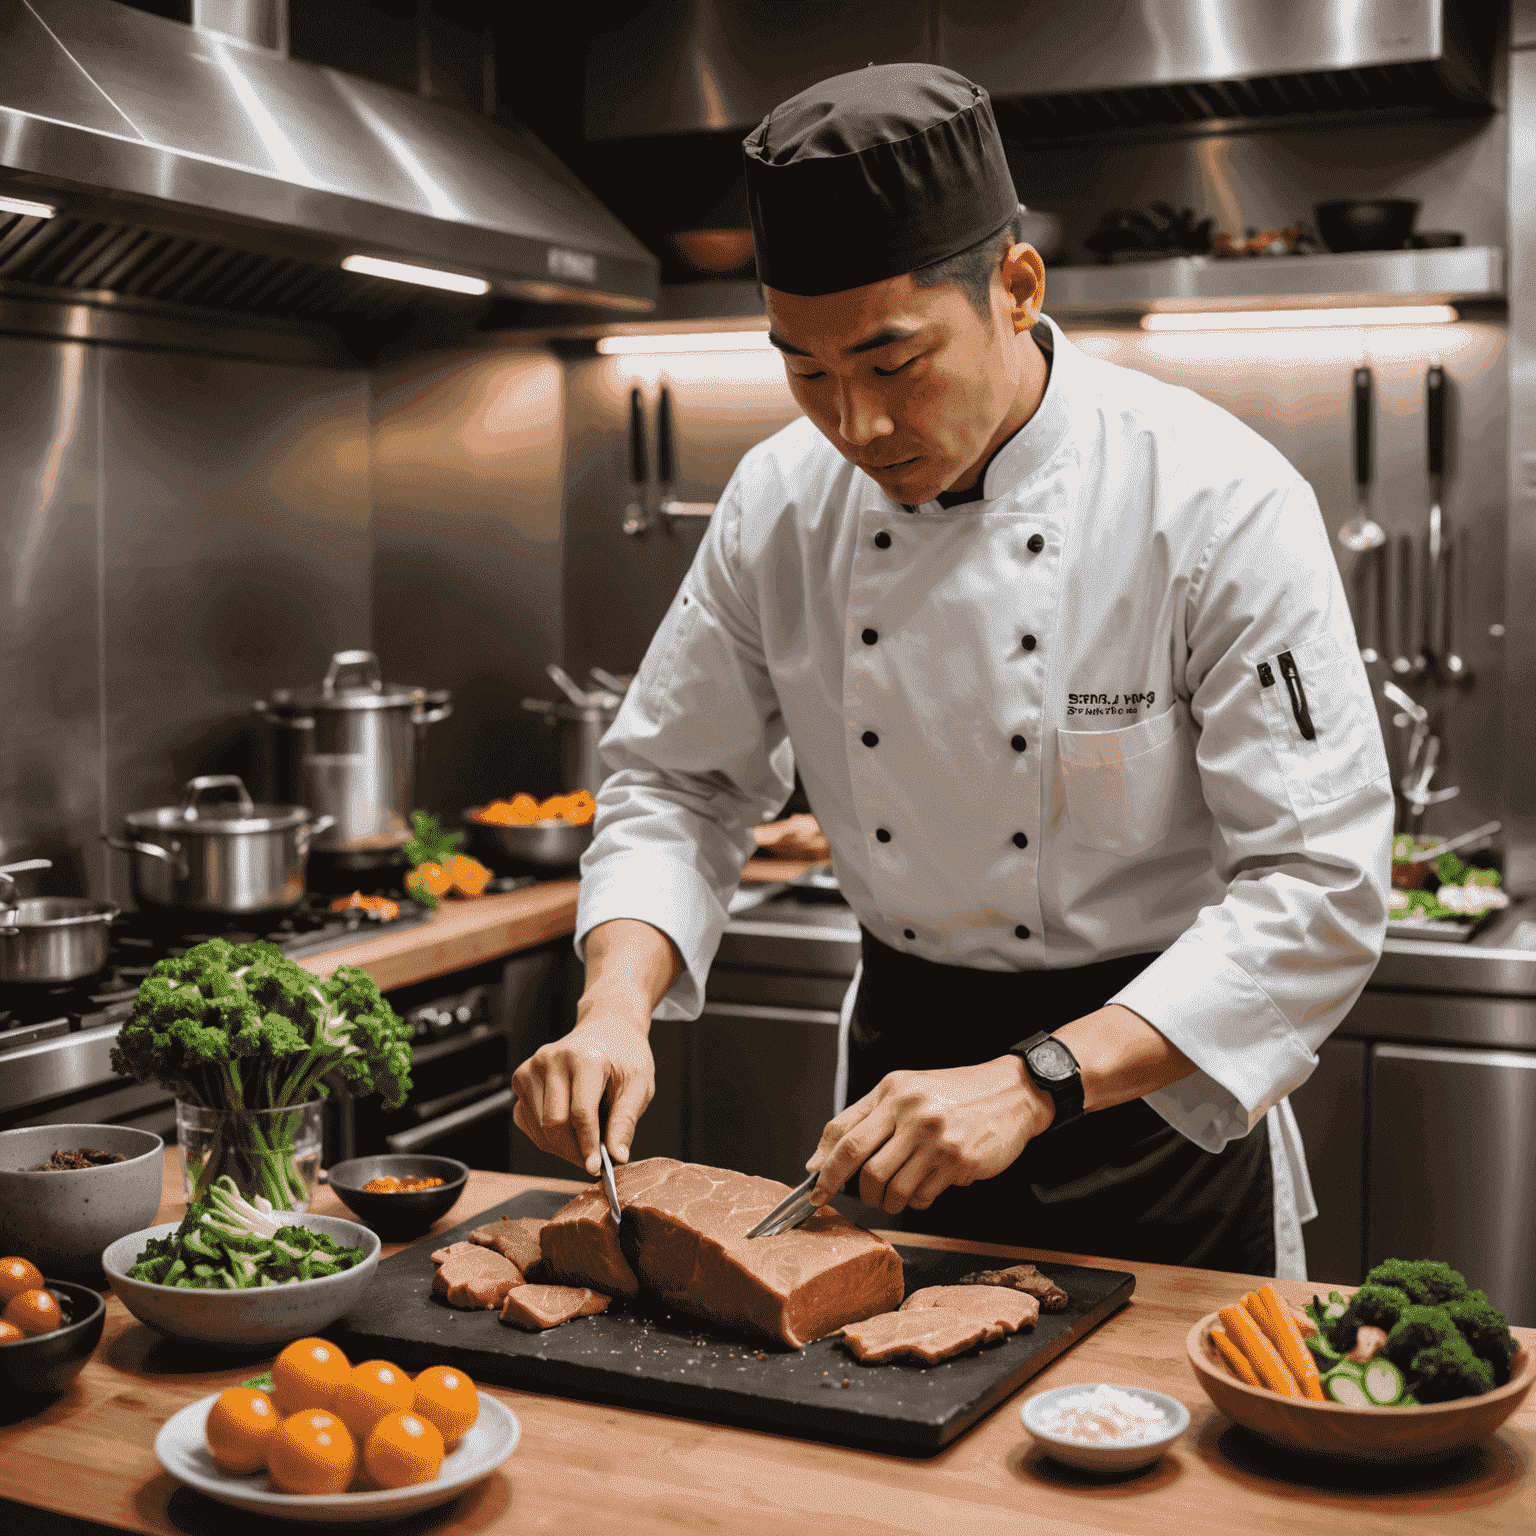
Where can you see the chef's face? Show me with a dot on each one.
(913, 384)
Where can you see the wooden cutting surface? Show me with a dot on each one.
(583, 1467)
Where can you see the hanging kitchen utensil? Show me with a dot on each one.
(669, 508)
(1403, 665)
(1434, 552)
(637, 520)
(354, 741)
(1362, 531)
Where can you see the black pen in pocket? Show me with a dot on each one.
(1292, 675)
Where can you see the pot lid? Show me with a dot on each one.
(241, 814)
(352, 681)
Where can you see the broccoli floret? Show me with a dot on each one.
(1417, 1327)
(1482, 1325)
(1426, 1281)
(1449, 1369)
(1378, 1306)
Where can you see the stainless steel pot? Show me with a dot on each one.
(347, 749)
(53, 939)
(232, 858)
(582, 722)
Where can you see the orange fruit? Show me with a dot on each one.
(240, 1429)
(468, 876)
(312, 1452)
(373, 1389)
(16, 1276)
(447, 1398)
(307, 1374)
(35, 1311)
(9, 1333)
(433, 878)
(403, 1448)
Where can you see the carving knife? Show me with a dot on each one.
(609, 1187)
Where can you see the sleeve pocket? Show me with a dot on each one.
(1346, 752)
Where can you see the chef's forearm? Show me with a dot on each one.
(1122, 1057)
(630, 967)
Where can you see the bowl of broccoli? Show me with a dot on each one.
(1413, 1366)
(241, 1276)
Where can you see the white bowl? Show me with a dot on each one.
(62, 1220)
(252, 1322)
(1091, 1457)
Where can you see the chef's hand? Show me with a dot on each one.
(917, 1133)
(561, 1088)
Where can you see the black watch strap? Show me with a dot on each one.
(1054, 1070)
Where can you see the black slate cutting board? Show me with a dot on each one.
(642, 1356)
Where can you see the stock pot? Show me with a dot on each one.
(347, 749)
(233, 857)
(48, 940)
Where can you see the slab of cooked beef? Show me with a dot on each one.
(535, 1307)
(580, 1243)
(1026, 1278)
(1009, 1309)
(940, 1321)
(476, 1279)
(460, 1247)
(515, 1238)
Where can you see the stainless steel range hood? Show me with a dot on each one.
(189, 165)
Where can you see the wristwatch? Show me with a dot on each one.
(1054, 1070)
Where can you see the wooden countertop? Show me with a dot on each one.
(460, 934)
(584, 1467)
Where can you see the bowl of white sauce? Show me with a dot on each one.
(1103, 1428)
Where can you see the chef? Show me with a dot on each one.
(1064, 661)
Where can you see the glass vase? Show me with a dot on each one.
(270, 1152)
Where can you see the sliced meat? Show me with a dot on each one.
(515, 1238)
(686, 1226)
(475, 1280)
(1008, 1309)
(535, 1307)
(929, 1334)
(443, 1253)
(1026, 1278)
(580, 1243)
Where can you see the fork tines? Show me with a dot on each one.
(789, 1212)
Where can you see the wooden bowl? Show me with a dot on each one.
(1382, 1436)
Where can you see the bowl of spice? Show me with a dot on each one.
(67, 1191)
(1101, 1428)
(400, 1195)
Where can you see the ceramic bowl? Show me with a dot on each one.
(398, 1217)
(62, 1221)
(1091, 1457)
(1366, 224)
(1430, 1432)
(248, 1322)
(44, 1365)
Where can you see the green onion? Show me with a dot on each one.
(1383, 1382)
(1345, 1387)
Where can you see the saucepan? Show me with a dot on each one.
(48, 940)
(236, 858)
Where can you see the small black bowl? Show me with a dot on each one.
(397, 1217)
(1366, 224)
(45, 1364)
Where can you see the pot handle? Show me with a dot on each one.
(195, 788)
(8, 885)
(317, 826)
(275, 717)
(172, 856)
(440, 708)
(342, 660)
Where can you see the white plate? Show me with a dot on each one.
(182, 1450)
(1092, 1457)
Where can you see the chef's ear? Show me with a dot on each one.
(1023, 278)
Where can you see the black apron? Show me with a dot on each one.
(1121, 1182)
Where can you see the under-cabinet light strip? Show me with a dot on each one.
(1295, 319)
(684, 341)
(408, 272)
(25, 209)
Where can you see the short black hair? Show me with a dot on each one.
(971, 269)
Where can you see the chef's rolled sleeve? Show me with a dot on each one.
(1303, 825)
(699, 755)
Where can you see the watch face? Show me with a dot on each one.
(1052, 1060)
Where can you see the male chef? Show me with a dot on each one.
(1064, 662)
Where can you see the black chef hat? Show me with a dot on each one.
(871, 174)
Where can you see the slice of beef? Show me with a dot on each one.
(580, 1243)
(475, 1280)
(929, 1334)
(534, 1307)
(1008, 1309)
(1026, 1278)
(686, 1227)
(452, 1248)
(515, 1238)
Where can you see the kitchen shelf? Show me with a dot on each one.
(1461, 273)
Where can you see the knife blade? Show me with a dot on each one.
(610, 1188)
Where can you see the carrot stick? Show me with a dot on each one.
(1265, 1359)
(1283, 1333)
(1237, 1361)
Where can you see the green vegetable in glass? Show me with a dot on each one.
(241, 1027)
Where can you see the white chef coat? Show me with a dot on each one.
(1086, 661)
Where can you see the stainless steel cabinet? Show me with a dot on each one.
(1330, 1109)
(1453, 1166)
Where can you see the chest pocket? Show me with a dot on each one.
(1345, 752)
(1126, 790)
